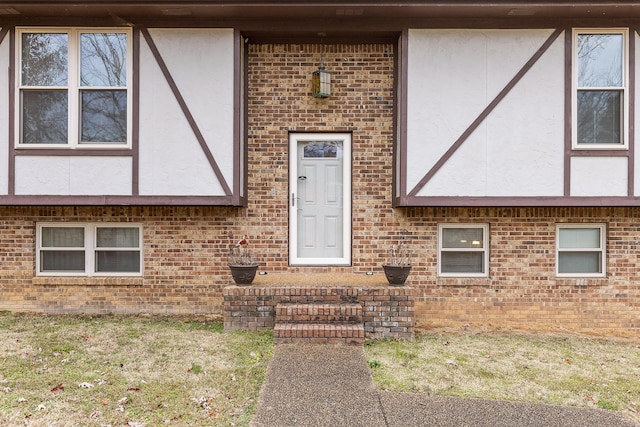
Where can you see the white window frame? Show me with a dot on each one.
(90, 248)
(602, 249)
(73, 87)
(624, 90)
(484, 249)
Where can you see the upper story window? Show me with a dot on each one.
(74, 87)
(600, 95)
(463, 250)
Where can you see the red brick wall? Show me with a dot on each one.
(185, 247)
(522, 290)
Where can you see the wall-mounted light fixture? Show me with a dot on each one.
(321, 78)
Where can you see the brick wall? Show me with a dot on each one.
(522, 290)
(185, 247)
(388, 311)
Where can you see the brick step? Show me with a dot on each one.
(318, 333)
(336, 313)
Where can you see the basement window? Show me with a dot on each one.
(580, 250)
(463, 250)
(94, 249)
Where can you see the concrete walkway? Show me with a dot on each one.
(327, 385)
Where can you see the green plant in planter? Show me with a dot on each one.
(398, 264)
(241, 262)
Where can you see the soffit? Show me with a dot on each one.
(339, 19)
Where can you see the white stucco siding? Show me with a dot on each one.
(4, 114)
(525, 133)
(76, 176)
(453, 76)
(172, 161)
(599, 176)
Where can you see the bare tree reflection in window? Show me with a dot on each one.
(44, 69)
(103, 68)
(600, 94)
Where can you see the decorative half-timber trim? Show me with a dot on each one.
(115, 200)
(185, 110)
(135, 115)
(485, 113)
(11, 167)
(568, 120)
(632, 96)
(521, 201)
(569, 151)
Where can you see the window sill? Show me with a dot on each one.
(88, 281)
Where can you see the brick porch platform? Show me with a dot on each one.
(324, 313)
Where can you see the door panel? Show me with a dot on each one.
(320, 226)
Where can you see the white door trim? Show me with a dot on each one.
(294, 139)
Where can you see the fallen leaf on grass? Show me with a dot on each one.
(58, 388)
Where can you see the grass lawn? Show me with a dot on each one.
(127, 371)
(151, 371)
(548, 369)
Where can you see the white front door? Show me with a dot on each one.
(320, 199)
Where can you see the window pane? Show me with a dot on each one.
(62, 261)
(62, 237)
(600, 60)
(104, 116)
(580, 262)
(44, 117)
(118, 262)
(118, 238)
(103, 59)
(585, 238)
(462, 238)
(327, 149)
(599, 117)
(462, 262)
(44, 59)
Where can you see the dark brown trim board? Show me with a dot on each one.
(135, 115)
(560, 201)
(631, 172)
(115, 200)
(568, 93)
(11, 167)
